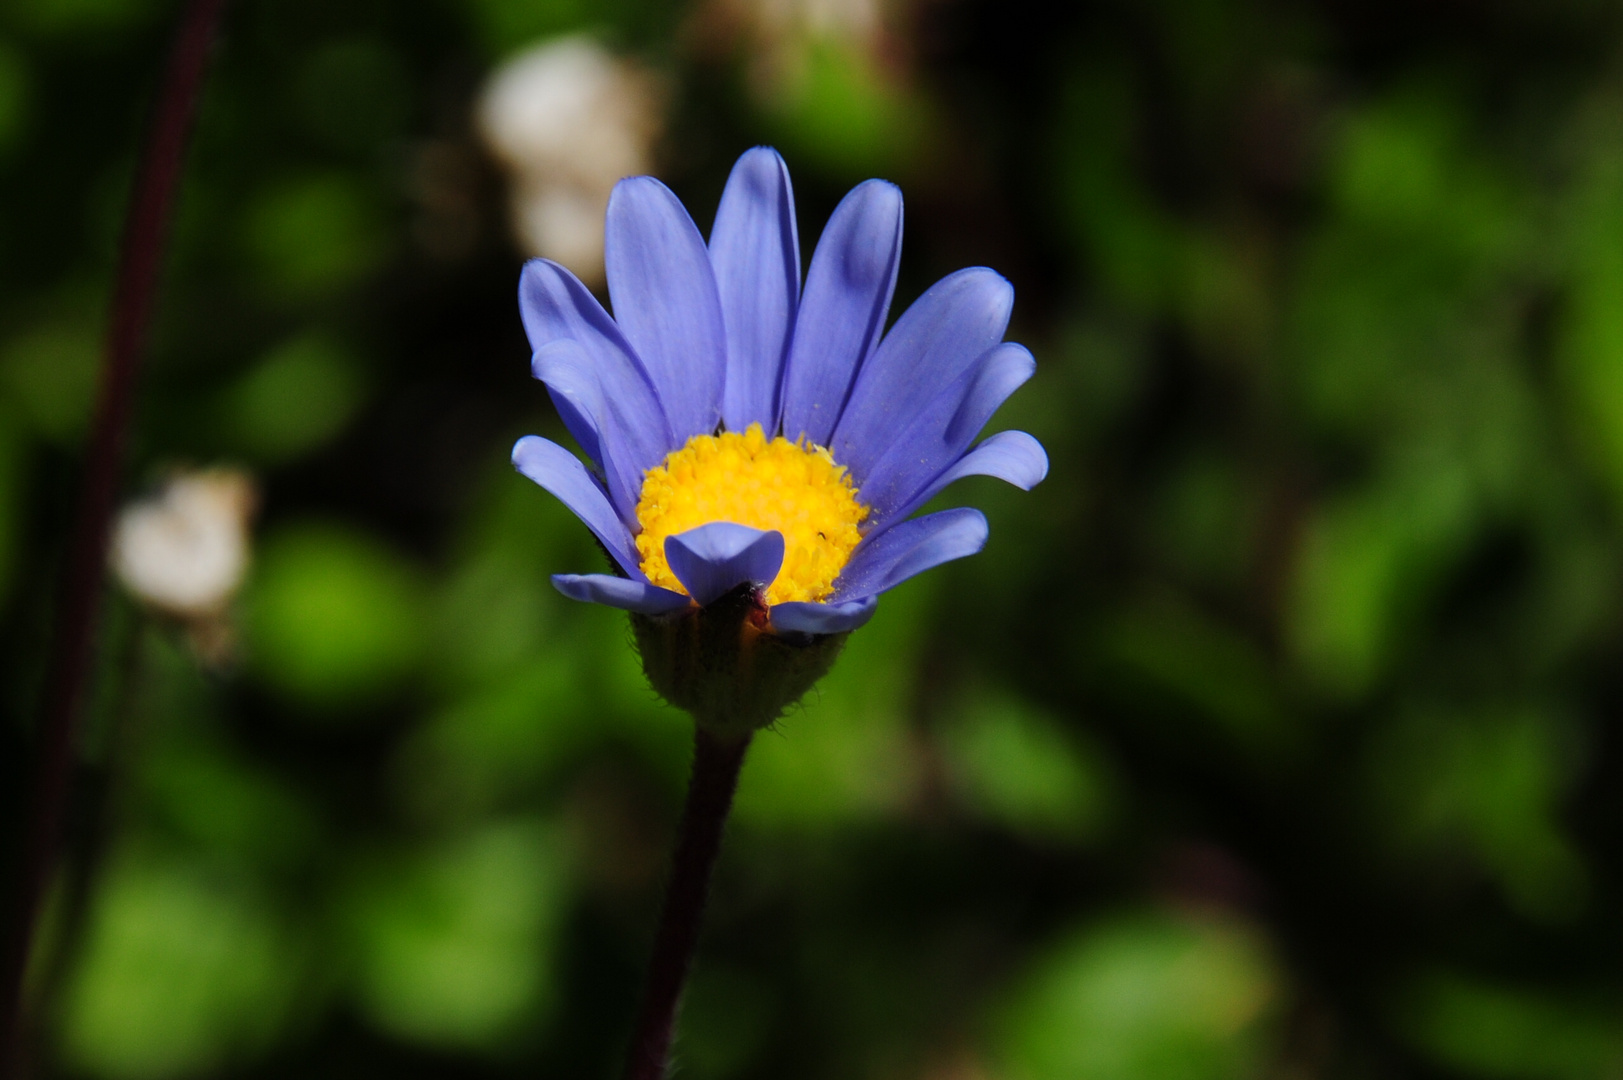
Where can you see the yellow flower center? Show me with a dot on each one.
(766, 484)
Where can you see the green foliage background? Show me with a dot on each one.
(1274, 735)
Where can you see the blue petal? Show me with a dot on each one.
(712, 560)
(1011, 456)
(932, 344)
(940, 432)
(755, 252)
(579, 422)
(626, 444)
(556, 307)
(665, 301)
(887, 559)
(807, 618)
(619, 592)
(561, 473)
(842, 314)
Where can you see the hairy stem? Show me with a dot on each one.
(72, 650)
(717, 760)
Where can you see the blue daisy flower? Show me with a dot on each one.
(744, 429)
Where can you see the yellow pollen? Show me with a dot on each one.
(747, 479)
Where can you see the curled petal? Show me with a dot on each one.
(712, 560)
(755, 252)
(1011, 456)
(579, 406)
(627, 439)
(799, 617)
(887, 559)
(619, 592)
(842, 313)
(1000, 372)
(932, 345)
(555, 307)
(665, 301)
(941, 430)
(561, 473)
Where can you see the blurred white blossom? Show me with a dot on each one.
(567, 119)
(184, 551)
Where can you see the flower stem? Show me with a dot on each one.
(70, 665)
(717, 760)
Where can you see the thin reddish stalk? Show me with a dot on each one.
(71, 659)
(716, 764)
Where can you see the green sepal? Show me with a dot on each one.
(723, 664)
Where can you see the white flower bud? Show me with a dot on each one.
(185, 551)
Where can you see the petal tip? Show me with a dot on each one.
(524, 448)
(628, 185)
(879, 187)
(761, 153)
(974, 531)
(1039, 466)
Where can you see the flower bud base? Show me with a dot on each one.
(723, 664)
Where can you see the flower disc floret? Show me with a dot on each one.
(748, 479)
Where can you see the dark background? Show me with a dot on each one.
(1274, 735)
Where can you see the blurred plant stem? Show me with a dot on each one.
(717, 759)
(72, 651)
(100, 796)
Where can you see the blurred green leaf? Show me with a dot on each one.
(180, 974)
(1591, 341)
(314, 235)
(1207, 519)
(620, 698)
(1406, 287)
(496, 614)
(1142, 997)
(845, 756)
(14, 458)
(1149, 259)
(50, 372)
(1018, 767)
(68, 18)
(228, 807)
(355, 94)
(724, 1022)
(456, 943)
(1168, 647)
(1222, 293)
(1493, 1030)
(1404, 166)
(333, 617)
(1366, 566)
(1103, 367)
(1490, 782)
(508, 25)
(1124, 235)
(498, 741)
(840, 111)
(296, 398)
(16, 97)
